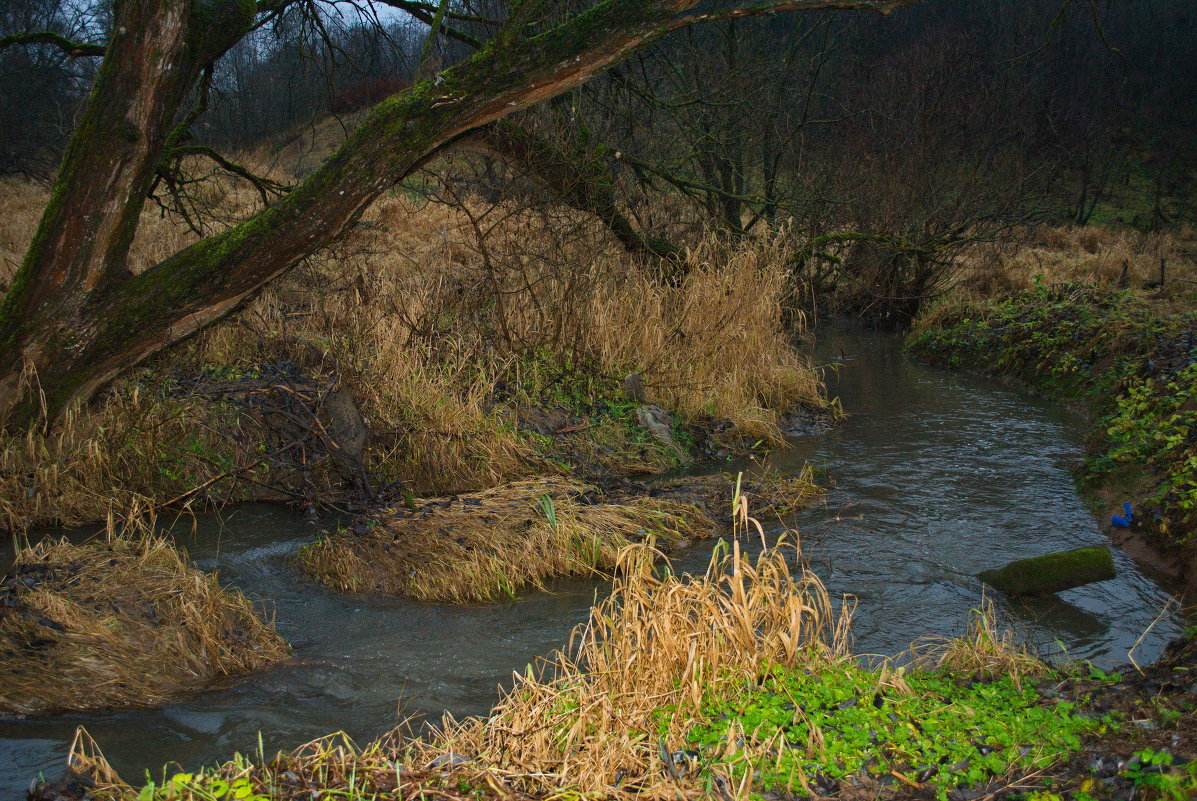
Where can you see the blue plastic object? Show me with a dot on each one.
(1119, 521)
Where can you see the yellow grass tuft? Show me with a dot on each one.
(985, 651)
(587, 721)
(492, 544)
(121, 621)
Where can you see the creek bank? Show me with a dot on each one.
(1129, 358)
(117, 623)
(1153, 753)
(738, 684)
(300, 428)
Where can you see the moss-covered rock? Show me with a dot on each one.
(1053, 572)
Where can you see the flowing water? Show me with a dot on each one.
(936, 476)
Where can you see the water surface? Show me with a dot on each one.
(936, 476)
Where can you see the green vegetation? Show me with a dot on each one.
(1127, 355)
(600, 431)
(794, 728)
(1155, 423)
(1154, 776)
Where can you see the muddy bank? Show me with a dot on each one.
(1152, 754)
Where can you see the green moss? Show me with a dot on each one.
(944, 733)
(1054, 572)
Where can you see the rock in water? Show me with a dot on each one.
(1053, 572)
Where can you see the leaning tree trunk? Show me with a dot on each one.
(78, 258)
(76, 317)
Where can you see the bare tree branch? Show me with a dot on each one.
(428, 14)
(72, 49)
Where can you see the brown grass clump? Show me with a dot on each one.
(714, 347)
(659, 642)
(133, 447)
(745, 498)
(490, 544)
(985, 651)
(121, 621)
(1077, 254)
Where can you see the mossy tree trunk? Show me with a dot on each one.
(54, 310)
(75, 316)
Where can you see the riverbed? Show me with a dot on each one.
(934, 477)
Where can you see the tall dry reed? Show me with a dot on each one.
(588, 720)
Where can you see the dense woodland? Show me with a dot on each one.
(901, 139)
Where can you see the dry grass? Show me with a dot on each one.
(985, 651)
(767, 494)
(121, 621)
(1053, 256)
(134, 446)
(659, 642)
(425, 324)
(492, 544)
(1085, 254)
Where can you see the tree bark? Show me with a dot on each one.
(79, 253)
(76, 317)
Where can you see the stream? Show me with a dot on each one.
(936, 476)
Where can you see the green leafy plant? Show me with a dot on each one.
(1155, 777)
(927, 727)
